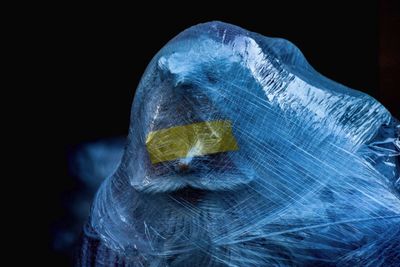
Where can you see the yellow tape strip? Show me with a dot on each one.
(195, 139)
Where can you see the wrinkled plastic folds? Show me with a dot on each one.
(258, 160)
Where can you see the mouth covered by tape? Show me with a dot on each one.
(186, 141)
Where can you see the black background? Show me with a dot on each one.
(97, 55)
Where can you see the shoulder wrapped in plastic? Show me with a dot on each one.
(240, 154)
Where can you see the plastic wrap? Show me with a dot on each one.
(240, 154)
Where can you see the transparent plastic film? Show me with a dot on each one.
(240, 154)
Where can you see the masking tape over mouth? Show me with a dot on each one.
(197, 139)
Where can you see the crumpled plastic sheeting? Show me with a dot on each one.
(314, 179)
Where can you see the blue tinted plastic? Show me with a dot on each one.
(315, 179)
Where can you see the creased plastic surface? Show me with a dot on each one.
(314, 179)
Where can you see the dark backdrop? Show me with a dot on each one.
(98, 55)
